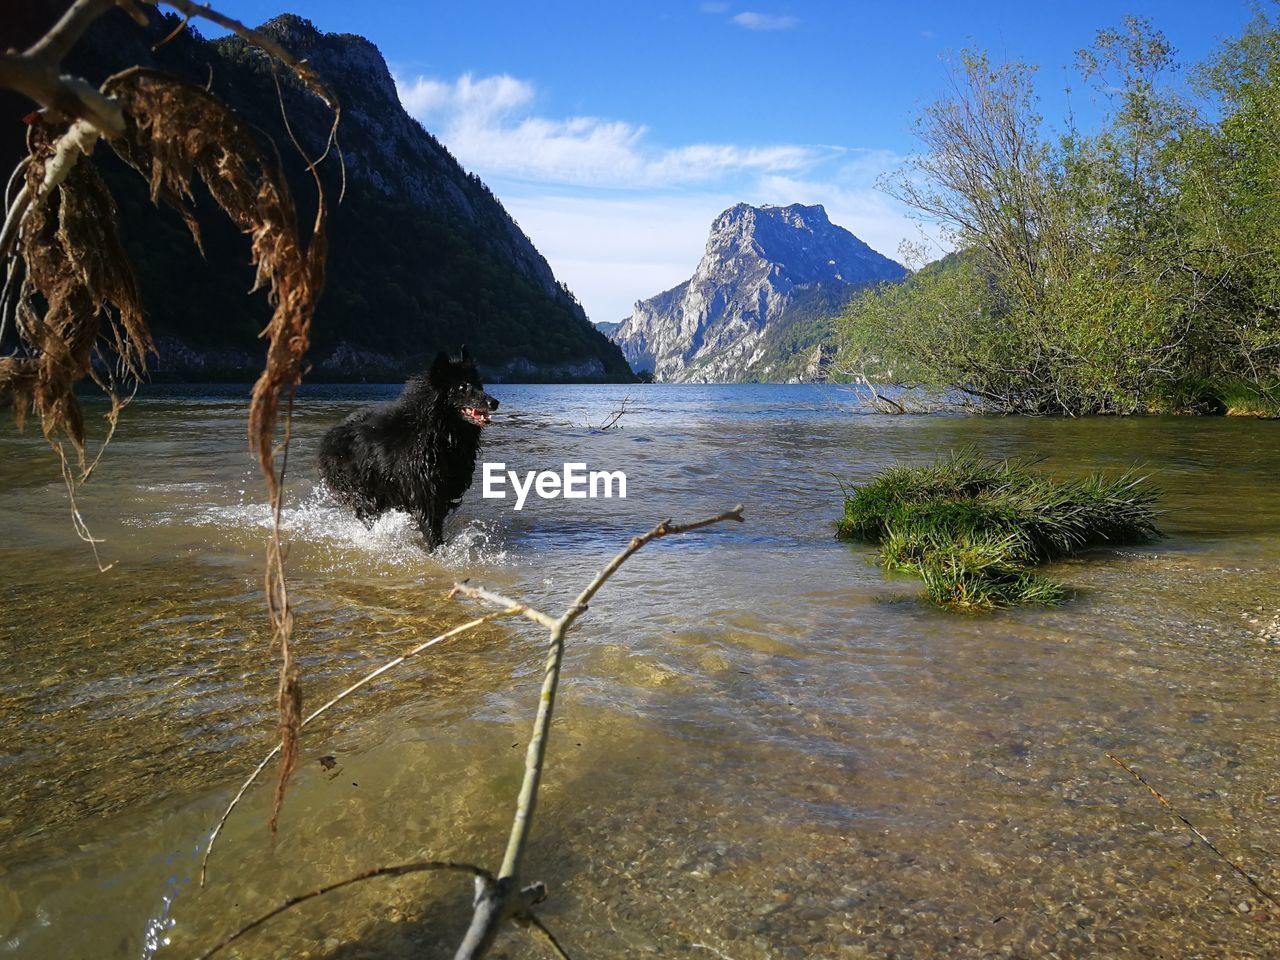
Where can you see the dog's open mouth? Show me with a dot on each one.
(476, 415)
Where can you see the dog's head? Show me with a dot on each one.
(457, 383)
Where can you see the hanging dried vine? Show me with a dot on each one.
(76, 309)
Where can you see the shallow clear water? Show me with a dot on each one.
(763, 747)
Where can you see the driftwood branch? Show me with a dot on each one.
(483, 878)
(497, 600)
(501, 902)
(612, 420)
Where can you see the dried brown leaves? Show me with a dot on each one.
(176, 131)
(78, 290)
(77, 286)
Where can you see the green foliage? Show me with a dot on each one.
(979, 575)
(971, 527)
(1236, 396)
(1230, 200)
(942, 325)
(1134, 269)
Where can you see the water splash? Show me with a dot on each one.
(315, 517)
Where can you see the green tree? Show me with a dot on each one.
(984, 173)
(1229, 193)
(1134, 268)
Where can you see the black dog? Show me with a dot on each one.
(416, 453)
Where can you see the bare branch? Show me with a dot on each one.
(497, 600)
(400, 870)
(53, 47)
(665, 529)
(613, 418)
(66, 96)
(303, 69)
(500, 899)
(548, 939)
(499, 904)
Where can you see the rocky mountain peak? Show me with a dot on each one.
(801, 240)
(758, 262)
(348, 55)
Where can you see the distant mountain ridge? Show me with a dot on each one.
(422, 255)
(765, 270)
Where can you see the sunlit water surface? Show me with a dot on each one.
(763, 747)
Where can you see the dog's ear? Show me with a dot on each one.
(438, 375)
(464, 355)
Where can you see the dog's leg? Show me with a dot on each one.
(366, 513)
(432, 527)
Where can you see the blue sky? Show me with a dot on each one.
(615, 132)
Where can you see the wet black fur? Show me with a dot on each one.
(416, 453)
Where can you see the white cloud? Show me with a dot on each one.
(763, 21)
(620, 218)
(489, 96)
(487, 125)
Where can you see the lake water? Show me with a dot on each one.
(764, 747)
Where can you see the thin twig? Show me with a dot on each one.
(113, 421)
(497, 600)
(62, 36)
(615, 416)
(182, 25)
(18, 171)
(399, 870)
(367, 678)
(665, 529)
(15, 213)
(280, 615)
(77, 520)
(547, 937)
(878, 401)
(542, 723)
(1190, 826)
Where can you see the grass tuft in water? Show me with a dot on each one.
(971, 528)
